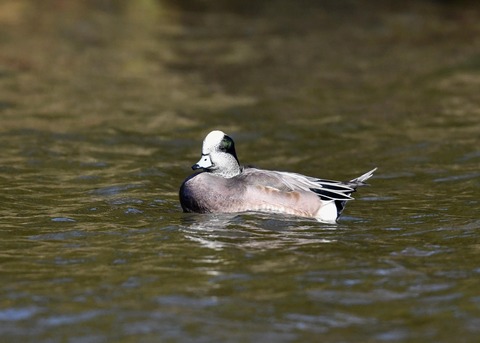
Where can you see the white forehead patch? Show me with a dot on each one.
(212, 140)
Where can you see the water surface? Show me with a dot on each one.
(104, 106)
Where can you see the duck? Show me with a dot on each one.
(223, 185)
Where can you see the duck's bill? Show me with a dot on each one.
(204, 163)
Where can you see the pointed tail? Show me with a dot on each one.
(359, 181)
(354, 183)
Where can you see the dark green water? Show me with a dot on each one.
(103, 107)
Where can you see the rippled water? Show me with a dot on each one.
(104, 107)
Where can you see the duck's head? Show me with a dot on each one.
(218, 155)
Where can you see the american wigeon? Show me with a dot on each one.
(225, 186)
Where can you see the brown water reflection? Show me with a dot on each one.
(92, 64)
(103, 106)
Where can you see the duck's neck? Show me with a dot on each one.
(229, 172)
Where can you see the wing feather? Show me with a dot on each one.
(327, 190)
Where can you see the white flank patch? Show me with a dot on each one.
(327, 213)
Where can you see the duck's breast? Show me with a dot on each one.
(205, 192)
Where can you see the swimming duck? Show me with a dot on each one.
(224, 186)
